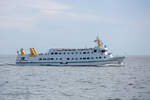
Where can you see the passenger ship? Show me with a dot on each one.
(96, 56)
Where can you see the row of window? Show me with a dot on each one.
(71, 52)
(84, 58)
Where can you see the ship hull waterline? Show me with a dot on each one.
(114, 60)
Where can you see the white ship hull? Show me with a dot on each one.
(114, 60)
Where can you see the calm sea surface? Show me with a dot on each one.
(128, 82)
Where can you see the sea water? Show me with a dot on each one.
(128, 82)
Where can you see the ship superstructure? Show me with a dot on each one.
(96, 56)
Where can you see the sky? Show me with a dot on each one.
(123, 25)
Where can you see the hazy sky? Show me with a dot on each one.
(123, 25)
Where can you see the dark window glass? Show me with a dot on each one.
(59, 53)
(64, 53)
(67, 58)
(96, 57)
(88, 58)
(56, 53)
(103, 51)
(84, 52)
(40, 58)
(68, 53)
(95, 50)
(76, 58)
(22, 58)
(100, 57)
(52, 53)
(76, 52)
(92, 57)
(87, 52)
(52, 58)
(44, 58)
(80, 58)
(84, 58)
(72, 53)
(56, 58)
(60, 58)
(104, 57)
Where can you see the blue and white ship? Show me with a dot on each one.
(96, 56)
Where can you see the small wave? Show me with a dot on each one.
(113, 65)
(7, 64)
